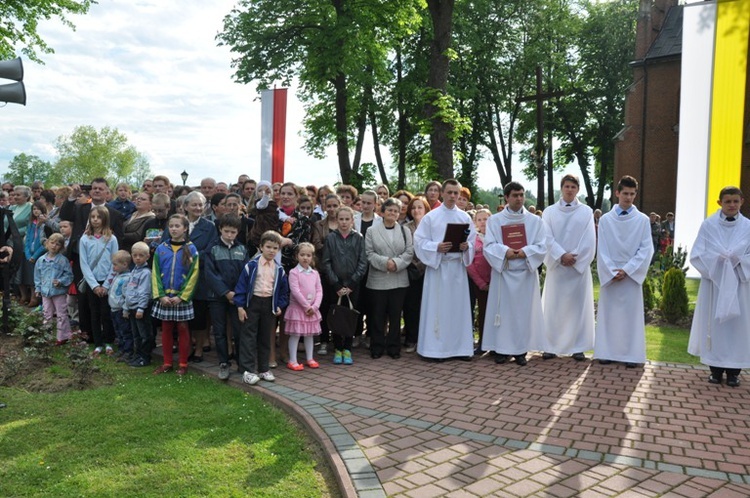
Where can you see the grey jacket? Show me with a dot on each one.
(138, 289)
(383, 244)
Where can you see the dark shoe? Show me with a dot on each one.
(579, 357)
(712, 379)
(500, 358)
(196, 359)
(163, 369)
(605, 362)
(140, 362)
(733, 381)
(395, 356)
(465, 358)
(630, 365)
(479, 352)
(548, 356)
(521, 360)
(206, 349)
(375, 356)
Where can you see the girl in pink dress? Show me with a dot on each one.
(303, 315)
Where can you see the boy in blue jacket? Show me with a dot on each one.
(224, 262)
(137, 303)
(261, 293)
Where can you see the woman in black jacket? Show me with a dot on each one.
(344, 264)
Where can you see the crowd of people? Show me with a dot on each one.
(260, 265)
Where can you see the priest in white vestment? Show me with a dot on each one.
(514, 323)
(720, 334)
(623, 258)
(445, 320)
(568, 295)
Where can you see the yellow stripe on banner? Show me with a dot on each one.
(728, 97)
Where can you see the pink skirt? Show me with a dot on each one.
(302, 327)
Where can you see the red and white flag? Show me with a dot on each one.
(272, 134)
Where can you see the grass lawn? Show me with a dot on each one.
(147, 435)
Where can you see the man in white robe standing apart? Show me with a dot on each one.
(445, 321)
(720, 333)
(568, 296)
(623, 259)
(514, 323)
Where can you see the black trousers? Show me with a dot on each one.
(255, 337)
(412, 307)
(102, 329)
(719, 371)
(386, 307)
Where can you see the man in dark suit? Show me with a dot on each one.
(78, 214)
(668, 226)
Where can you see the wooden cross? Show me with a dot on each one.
(539, 147)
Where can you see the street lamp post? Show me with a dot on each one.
(184, 176)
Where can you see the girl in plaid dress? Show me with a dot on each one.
(174, 278)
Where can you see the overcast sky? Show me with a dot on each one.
(151, 68)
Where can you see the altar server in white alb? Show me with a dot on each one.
(514, 323)
(445, 321)
(568, 296)
(623, 258)
(720, 333)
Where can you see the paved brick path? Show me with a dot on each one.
(554, 428)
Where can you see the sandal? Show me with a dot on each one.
(295, 366)
(313, 364)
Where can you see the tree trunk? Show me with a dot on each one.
(376, 146)
(342, 144)
(401, 121)
(441, 146)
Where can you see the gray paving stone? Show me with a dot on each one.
(710, 474)
(358, 465)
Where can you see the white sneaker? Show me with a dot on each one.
(250, 378)
(323, 349)
(268, 376)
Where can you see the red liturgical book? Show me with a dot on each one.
(514, 236)
(456, 233)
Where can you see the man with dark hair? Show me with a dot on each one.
(445, 328)
(568, 296)
(720, 333)
(248, 191)
(79, 213)
(514, 323)
(623, 257)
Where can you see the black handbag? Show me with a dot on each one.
(342, 320)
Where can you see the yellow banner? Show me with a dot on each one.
(728, 97)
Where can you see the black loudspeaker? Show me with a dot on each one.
(14, 93)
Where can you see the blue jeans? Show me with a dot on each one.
(219, 311)
(123, 333)
(143, 335)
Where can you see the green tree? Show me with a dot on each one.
(337, 49)
(25, 169)
(19, 20)
(592, 113)
(89, 153)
